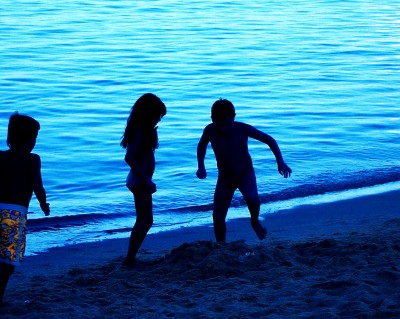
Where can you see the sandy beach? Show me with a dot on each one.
(332, 260)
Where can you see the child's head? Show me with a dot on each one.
(223, 116)
(222, 109)
(145, 114)
(22, 132)
(147, 111)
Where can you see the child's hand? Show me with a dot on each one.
(45, 208)
(284, 170)
(201, 173)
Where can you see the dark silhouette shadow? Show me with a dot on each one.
(229, 141)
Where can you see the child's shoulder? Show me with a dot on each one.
(209, 127)
(12, 160)
(24, 157)
(33, 160)
(241, 125)
(34, 156)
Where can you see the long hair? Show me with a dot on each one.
(147, 110)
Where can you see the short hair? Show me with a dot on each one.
(21, 130)
(222, 109)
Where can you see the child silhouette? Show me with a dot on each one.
(140, 140)
(229, 141)
(20, 176)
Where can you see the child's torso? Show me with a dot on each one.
(142, 153)
(231, 150)
(16, 178)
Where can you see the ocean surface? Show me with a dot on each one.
(322, 77)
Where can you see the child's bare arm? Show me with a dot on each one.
(201, 154)
(38, 188)
(283, 169)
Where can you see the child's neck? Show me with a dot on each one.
(20, 150)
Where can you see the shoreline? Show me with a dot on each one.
(39, 243)
(298, 223)
(331, 260)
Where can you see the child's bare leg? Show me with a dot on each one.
(254, 209)
(222, 200)
(6, 271)
(260, 230)
(3, 285)
(248, 188)
(144, 221)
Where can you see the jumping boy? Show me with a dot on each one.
(20, 176)
(229, 141)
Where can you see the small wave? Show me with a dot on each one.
(321, 185)
(54, 223)
(346, 182)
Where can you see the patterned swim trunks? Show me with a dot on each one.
(12, 233)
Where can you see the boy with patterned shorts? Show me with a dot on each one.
(20, 176)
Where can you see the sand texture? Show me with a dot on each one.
(350, 272)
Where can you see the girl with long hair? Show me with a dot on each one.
(140, 140)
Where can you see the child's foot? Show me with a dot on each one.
(129, 263)
(261, 231)
(132, 265)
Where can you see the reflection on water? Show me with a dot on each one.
(321, 77)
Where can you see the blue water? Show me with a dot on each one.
(321, 77)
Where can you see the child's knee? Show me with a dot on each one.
(148, 223)
(253, 202)
(218, 219)
(144, 224)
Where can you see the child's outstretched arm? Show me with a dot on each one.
(201, 154)
(38, 188)
(283, 169)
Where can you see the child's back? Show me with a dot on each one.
(16, 176)
(231, 147)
